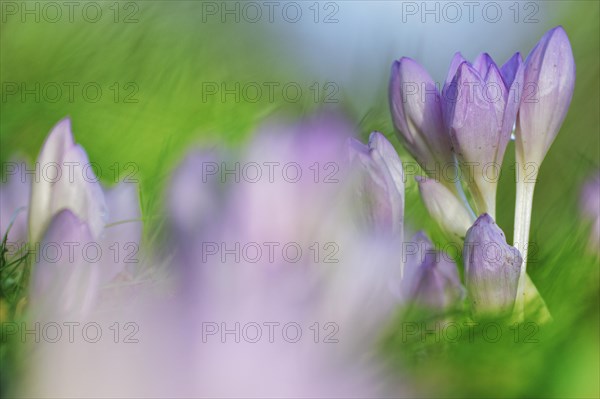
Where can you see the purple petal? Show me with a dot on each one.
(473, 125)
(65, 280)
(454, 64)
(511, 68)
(482, 63)
(416, 109)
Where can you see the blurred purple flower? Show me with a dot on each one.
(382, 183)
(68, 188)
(430, 278)
(340, 274)
(200, 341)
(590, 209)
(481, 103)
(492, 268)
(14, 199)
(69, 212)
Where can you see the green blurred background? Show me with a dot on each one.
(163, 62)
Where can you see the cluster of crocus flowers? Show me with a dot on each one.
(468, 125)
(276, 292)
(252, 256)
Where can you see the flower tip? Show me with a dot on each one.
(484, 218)
(375, 136)
(555, 35)
(395, 67)
(465, 67)
(404, 60)
(61, 133)
(458, 58)
(379, 142)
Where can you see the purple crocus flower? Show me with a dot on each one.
(492, 268)
(416, 109)
(430, 278)
(481, 103)
(382, 182)
(549, 82)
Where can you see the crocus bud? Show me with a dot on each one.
(382, 183)
(430, 277)
(548, 88)
(416, 109)
(66, 181)
(492, 268)
(481, 106)
(451, 214)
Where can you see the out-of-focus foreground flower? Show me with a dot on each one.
(279, 290)
(431, 281)
(14, 198)
(81, 225)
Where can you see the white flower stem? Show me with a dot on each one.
(526, 290)
(463, 197)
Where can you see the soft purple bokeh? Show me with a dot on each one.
(14, 200)
(382, 182)
(345, 281)
(590, 209)
(431, 278)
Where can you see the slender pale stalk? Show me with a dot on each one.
(463, 197)
(526, 291)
